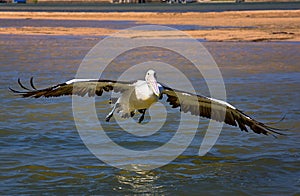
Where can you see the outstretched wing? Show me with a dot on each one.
(80, 87)
(215, 109)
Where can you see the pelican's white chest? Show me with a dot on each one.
(142, 91)
(143, 95)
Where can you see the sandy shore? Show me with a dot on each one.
(223, 26)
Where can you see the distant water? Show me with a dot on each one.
(110, 24)
(41, 151)
(66, 23)
(150, 7)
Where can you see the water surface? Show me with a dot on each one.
(41, 151)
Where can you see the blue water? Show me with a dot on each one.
(42, 152)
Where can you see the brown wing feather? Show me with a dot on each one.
(212, 109)
(80, 88)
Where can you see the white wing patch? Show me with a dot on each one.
(222, 102)
(79, 80)
(186, 94)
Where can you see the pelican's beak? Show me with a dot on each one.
(154, 85)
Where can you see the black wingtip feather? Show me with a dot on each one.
(31, 83)
(21, 85)
(276, 131)
(15, 91)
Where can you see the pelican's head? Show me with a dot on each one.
(151, 81)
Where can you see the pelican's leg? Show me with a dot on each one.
(107, 118)
(143, 111)
(132, 114)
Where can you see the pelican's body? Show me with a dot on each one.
(141, 94)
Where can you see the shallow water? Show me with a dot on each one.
(42, 152)
(109, 24)
(66, 23)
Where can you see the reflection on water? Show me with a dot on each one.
(41, 151)
(139, 182)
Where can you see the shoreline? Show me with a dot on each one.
(273, 25)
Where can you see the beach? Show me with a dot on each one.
(278, 25)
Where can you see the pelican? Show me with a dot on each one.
(138, 96)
